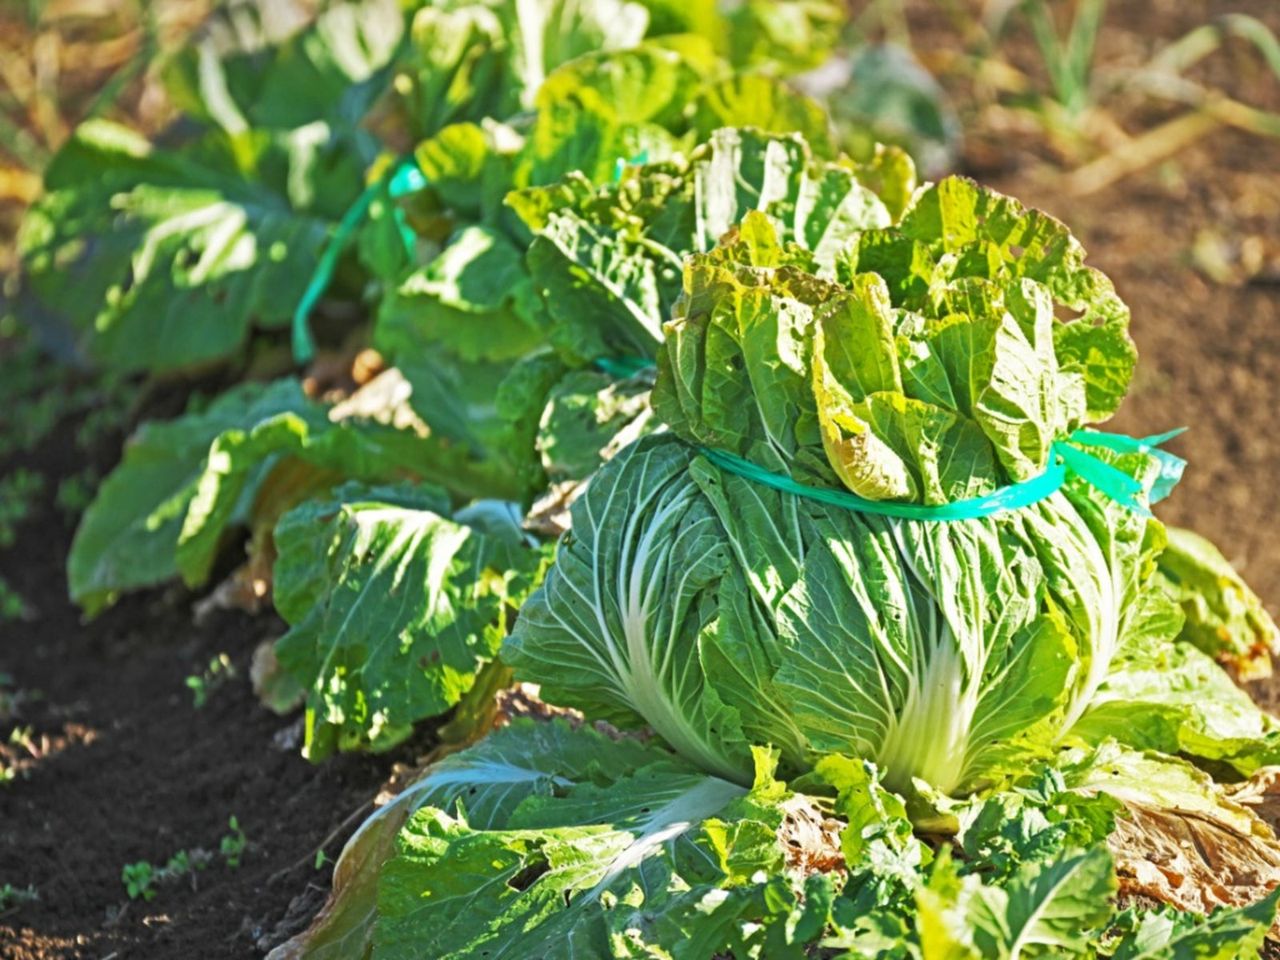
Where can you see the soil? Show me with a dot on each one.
(129, 770)
(117, 765)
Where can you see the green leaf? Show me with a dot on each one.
(664, 857)
(762, 102)
(586, 413)
(352, 449)
(603, 107)
(1174, 699)
(1046, 910)
(956, 229)
(470, 60)
(261, 65)
(883, 856)
(1224, 618)
(1226, 934)
(393, 607)
(154, 263)
(617, 628)
(488, 781)
(128, 537)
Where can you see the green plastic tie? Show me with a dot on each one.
(1064, 459)
(620, 165)
(621, 368)
(399, 179)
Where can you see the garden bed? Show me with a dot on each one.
(129, 769)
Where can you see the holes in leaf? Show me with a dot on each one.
(526, 878)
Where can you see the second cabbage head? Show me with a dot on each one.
(923, 362)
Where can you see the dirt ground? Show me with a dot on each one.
(129, 770)
(122, 767)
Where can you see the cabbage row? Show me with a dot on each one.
(659, 370)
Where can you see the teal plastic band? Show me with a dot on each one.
(399, 179)
(622, 367)
(620, 165)
(1064, 459)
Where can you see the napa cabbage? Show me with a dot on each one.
(724, 613)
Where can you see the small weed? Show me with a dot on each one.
(142, 878)
(137, 879)
(12, 897)
(75, 492)
(202, 686)
(321, 859)
(233, 844)
(21, 737)
(18, 491)
(12, 697)
(12, 606)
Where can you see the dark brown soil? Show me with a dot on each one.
(129, 770)
(122, 767)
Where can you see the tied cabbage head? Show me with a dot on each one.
(725, 614)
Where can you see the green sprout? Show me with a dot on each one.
(18, 491)
(12, 897)
(12, 606)
(232, 845)
(138, 879)
(202, 685)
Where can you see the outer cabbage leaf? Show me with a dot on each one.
(258, 65)
(331, 450)
(1224, 618)
(610, 105)
(469, 60)
(128, 536)
(454, 327)
(486, 782)
(394, 608)
(587, 414)
(665, 858)
(1172, 698)
(257, 451)
(144, 260)
(618, 630)
(1182, 840)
